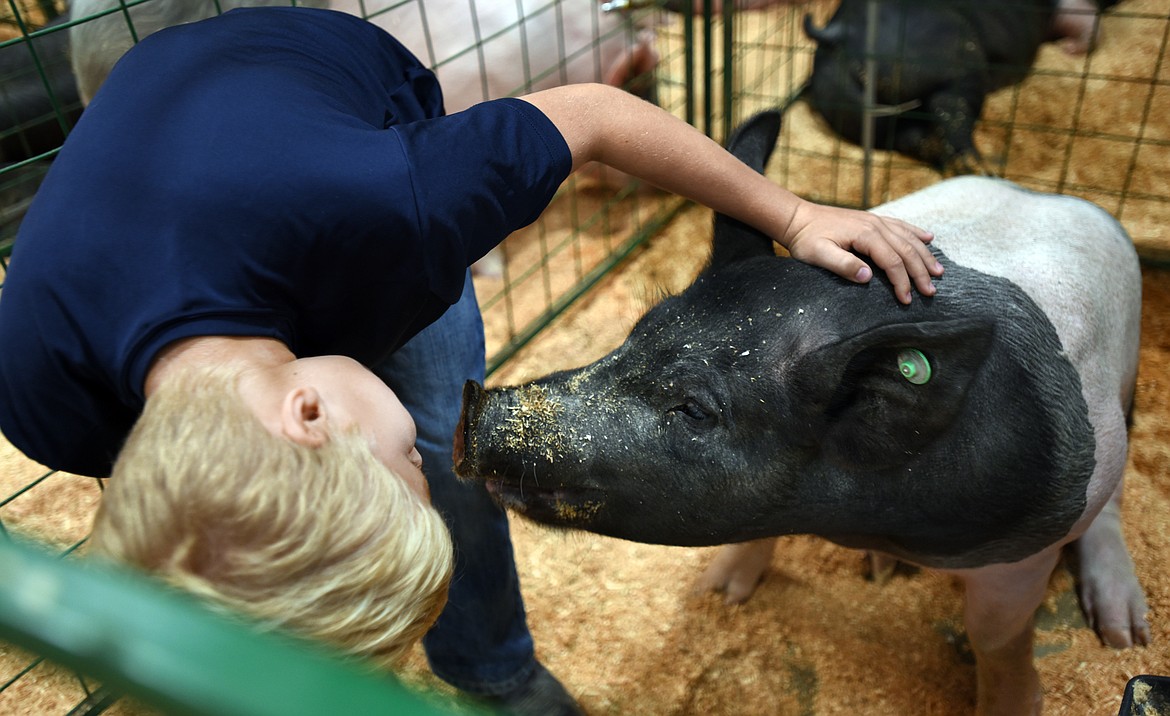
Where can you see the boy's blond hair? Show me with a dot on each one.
(326, 542)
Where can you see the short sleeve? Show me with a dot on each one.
(478, 175)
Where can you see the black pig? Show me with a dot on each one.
(38, 96)
(976, 432)
(935, 61)
(38, 105)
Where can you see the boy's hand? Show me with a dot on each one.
(824, 235)
(606, 124)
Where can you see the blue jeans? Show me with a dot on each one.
(481, 643)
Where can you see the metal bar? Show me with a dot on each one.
(708, 70)
(870, 94)
(689, 70)
(96, 703)
(728, 67)
(566, 299)
(171, 652)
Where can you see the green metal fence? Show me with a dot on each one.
(173, 653)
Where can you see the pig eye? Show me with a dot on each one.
(914, 366)
(691, 409)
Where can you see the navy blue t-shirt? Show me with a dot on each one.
(277, 172)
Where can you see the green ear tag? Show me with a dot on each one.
(913, 366)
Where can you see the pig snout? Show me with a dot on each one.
(468, 416)
(508, 440)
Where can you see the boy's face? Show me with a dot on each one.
(352, 395)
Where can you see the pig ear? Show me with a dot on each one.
(752, 143)
(890, 392)
(830, 34)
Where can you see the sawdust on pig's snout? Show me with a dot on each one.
(537, 424)
(536, 428)
(533, 427)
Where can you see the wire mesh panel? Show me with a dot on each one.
(480, 49)
(1093, 125)
(38, 103)
(38, 107)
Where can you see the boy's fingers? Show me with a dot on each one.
(900, 259)
(921, 234)
(849, 266)
(917, 239)
(915, 260)
(892, 245)
(889, 261)
(920, 264)
(923, 267)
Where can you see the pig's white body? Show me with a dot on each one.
(486, 50)
(1079, 266)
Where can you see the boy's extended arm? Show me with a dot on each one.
(605, 124)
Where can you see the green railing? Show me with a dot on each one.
(175, 655)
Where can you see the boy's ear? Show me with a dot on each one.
(302, 417)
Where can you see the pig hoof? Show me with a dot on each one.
(1117, 612)
(1124, 637)
(737, 570)
(881, 567)
(1122, 631)
(490, 266)
(736, 586)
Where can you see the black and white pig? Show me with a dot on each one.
(935, 62)
(977, 432)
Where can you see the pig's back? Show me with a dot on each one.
(519, 46)
(1074, 260)
(1069, 255)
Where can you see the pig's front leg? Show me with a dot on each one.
(737, 570)
(1113, 600)
(1001, 602)
(1077, 25)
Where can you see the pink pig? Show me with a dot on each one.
(487, 50)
